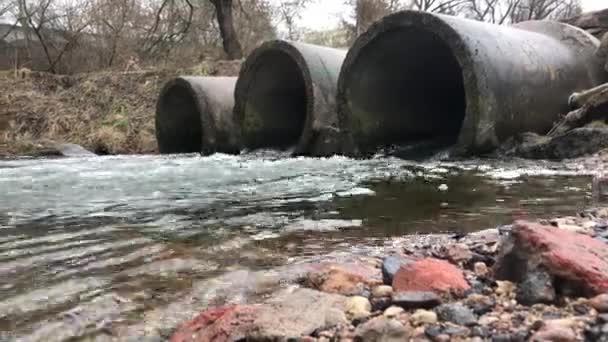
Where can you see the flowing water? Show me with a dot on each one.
(122, 246)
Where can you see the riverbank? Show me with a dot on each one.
(107, 112)
(542, 281)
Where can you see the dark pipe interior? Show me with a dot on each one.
(275, 107)
(406, 86)
(179, 122)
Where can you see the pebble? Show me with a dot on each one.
(393, 311)
(422, 316)
(481, 269)
(600, 303)
(443, 187)
(554, 333)
(536, 288)
(456, 313)
(416, 299)
(358, 307)
(382, 329)
(382, 291)
(505, 287)
(487, 320)
(381, 303)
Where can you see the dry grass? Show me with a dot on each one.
(106, 112)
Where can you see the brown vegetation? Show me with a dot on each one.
(106, 112)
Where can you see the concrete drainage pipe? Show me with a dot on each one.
(285, 98)
(194, 114)
(416, 76)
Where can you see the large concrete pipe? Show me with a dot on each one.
(416, 76)
(285, 97)
(195, 114)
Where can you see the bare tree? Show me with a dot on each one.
(437, 6)
(545, 9)
(289, 12)
(491, 11)
(225, 20)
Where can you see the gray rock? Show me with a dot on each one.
(73, 150)
(456, 313)
(390, 266)
(381, 329)
(572, 144)
(536, 288)
(416, 300)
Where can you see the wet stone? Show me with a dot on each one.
(456, 313)
(536, 288)
(416, 299)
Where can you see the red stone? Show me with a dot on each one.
(221, 324)
(346, 279)
(572, 256)
(432, 275)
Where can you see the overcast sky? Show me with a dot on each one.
(323, 14)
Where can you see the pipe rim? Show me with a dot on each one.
(204, 119)
(434, 24)
(245, 80)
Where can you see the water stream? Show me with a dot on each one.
(118, 246)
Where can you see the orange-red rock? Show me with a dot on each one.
(578, 258)
(228, 323)
(432, 275)
(346, 279)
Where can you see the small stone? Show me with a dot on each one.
(380, 304)
(382, 329)
(480, 304)
(480, 331)
(456, 313)
(416, 299)
(457, 253)
(505, 288)
(487, 320)
(442, 338)
(358, 307)
(444, 205)
(481, 269)
(393, 311)
(421, 316)
(382, 291)
(443, 187)
(600, 302)
(433, 331)
(390, 266)
(536, 288)
(556, 333)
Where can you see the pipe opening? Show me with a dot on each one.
(178, 121)
(405, 86)
(275, 105)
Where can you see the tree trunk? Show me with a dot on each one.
(225, 20)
